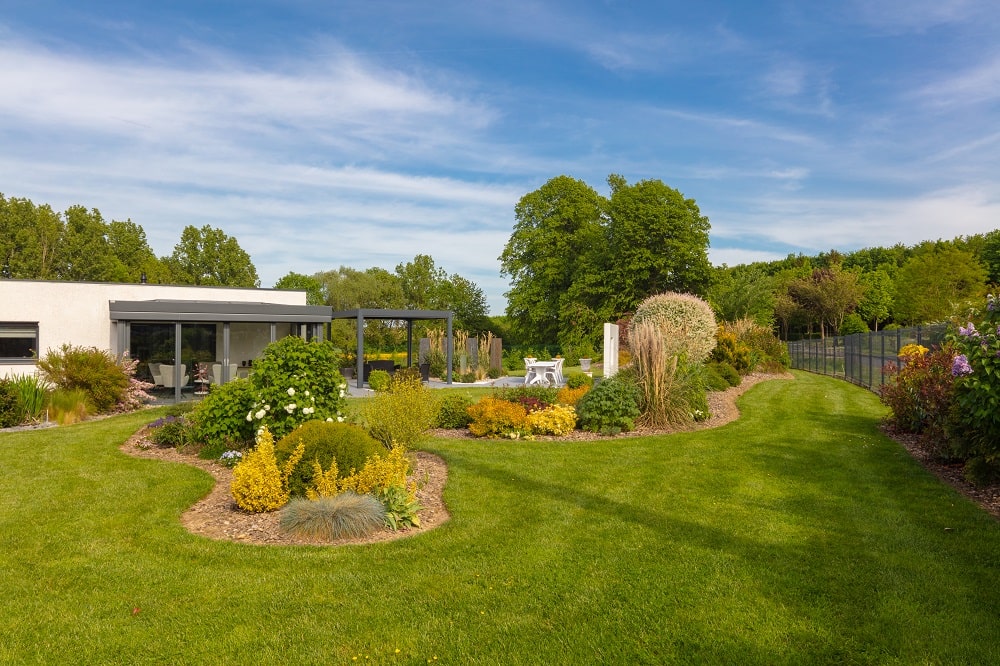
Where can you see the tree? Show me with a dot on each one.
(85, 253)
(128, 244)
(743, 292)
(29, 238)
(421, 282)
(555, 226)
(312, 286)
(208, 256)
(828, 295)
(990, 255)
(876, 304)
(658, 241)
(933, 284)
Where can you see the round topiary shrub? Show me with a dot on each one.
(325, 441)
(686, 323)
(578, 380)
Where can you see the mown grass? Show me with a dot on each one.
(798, 534)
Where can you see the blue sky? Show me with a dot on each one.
(325, 133)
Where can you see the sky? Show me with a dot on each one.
(334, 133)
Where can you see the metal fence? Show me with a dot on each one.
(861, 358)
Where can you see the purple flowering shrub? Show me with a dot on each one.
(921, 392)
(977, 386)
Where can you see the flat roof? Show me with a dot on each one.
(181, 310)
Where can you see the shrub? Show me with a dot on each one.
(453, 412)
(553, 420)
(686, 323)
(920, 393)
(379, 472)
(611, 406)
(223, 419)
(729, 350)
(493, 417)
(296, 381)
(324, 442)
(579, 380)
(571, 396)
(67, 406)
(379, 380)
(494, 373)
(467, 378)
(714, 381)
(347, 515)
(400, 417)
(767, 351)
(170, 431)
(88, 369)
(853, 323)
(728, 373)
(134, 396)
(10, 410)
(258, 484)
(977, 385)
(438, 364)
(405, 379)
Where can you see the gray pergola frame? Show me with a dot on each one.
(179, 312)
(409, 316)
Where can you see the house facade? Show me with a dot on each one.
(184, 337)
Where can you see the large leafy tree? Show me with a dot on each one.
(557, 228)
(876, 304)
(828, 295)
(208, 256)
(743, 292)
(29, 238)
(136, 259)
(659, 241)
(932, 285)
(85, 253)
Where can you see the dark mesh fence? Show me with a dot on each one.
(860, 358)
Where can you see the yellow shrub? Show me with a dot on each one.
(553, 420)
(324, 484)
(911, 351)
(381, 473)
(571, 396)
(492, 417)
(258, 485)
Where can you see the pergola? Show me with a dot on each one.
(409, 316)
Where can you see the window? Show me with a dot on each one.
(18, 341)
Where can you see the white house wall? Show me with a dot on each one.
(77, 313)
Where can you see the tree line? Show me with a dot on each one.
(576, 259)
(38, 243)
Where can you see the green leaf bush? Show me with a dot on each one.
(10, 410)
(611, 406)
(91, 370)
(220, 420)
(453, 412)
(295, 381)
(379, 380)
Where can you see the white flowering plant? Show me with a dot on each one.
(296, 381)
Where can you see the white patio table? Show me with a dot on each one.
(537, 373)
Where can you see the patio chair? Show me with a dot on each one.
(154, 370)
(167, 374)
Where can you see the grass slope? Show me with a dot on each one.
(796, 535)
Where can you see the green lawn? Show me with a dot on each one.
(796, 535)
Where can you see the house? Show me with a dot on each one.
(170, 329)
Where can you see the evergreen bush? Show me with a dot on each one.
(324, 442)
(347, 515)
(611, 406)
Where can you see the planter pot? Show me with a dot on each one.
(425, 372)
(585, 364)
(348, 373)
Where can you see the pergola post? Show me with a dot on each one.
(360, 361)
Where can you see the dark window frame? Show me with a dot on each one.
(30, 353)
